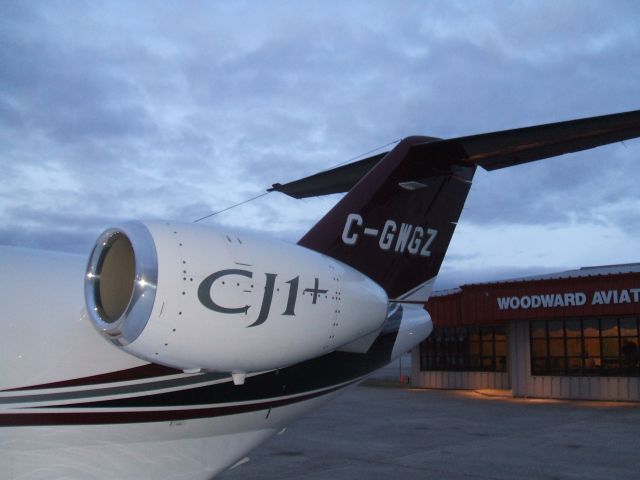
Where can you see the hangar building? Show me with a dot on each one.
(566, 335)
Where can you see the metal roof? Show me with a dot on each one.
(578, 273)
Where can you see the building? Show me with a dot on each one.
(567, 335)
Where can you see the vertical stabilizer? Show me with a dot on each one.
(396, 223)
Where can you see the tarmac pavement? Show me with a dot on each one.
(375, 432)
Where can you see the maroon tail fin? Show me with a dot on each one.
(396, 223)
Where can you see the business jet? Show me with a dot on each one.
(176, 348)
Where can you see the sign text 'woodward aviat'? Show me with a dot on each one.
(571, 299)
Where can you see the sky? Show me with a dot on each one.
(173, 110)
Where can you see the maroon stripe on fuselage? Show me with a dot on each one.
(150, 370)
(100, 418)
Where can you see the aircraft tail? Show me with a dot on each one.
(401, 209)
(396, 223)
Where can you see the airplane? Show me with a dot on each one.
(194, 344)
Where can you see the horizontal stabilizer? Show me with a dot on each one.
(513, 147)
(489, 150)
(335, 180)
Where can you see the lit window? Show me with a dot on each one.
(587, 346)
(465, 349)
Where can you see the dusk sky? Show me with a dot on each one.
(173, 110)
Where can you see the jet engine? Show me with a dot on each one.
(199, 298)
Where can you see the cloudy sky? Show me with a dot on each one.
(173, 110)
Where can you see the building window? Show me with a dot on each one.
(475, 349)
(585, 346)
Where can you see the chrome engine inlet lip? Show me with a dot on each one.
(137, 312)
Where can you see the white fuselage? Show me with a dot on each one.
(75, 406)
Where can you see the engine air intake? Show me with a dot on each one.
(120, 282)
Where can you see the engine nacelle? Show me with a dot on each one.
(200, 298)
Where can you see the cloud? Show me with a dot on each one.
(124, 111)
